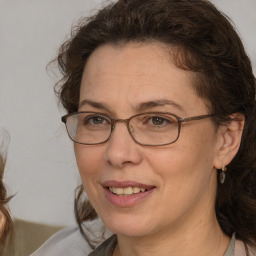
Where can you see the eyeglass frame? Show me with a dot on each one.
(180, 120)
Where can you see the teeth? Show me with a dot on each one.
(119, 191)
(127, 190)
(136, 190)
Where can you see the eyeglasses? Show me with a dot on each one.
(147, 129)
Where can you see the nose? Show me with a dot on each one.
(121, 150)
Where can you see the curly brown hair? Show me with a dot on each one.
(205, 43)
(5, 215)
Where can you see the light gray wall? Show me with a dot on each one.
(41, 168)
(243, 15)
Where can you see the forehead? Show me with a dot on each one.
(144, 57)
(135, 73)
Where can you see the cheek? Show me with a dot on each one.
(188, 161)
(199, 143)
(90, 166)
(88, 161)
(185, 172)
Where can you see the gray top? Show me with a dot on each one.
(70, 242)
(67, 242)
(231, 248)
(107, 247)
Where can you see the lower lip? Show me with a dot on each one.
(127, 201)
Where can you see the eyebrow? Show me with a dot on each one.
(94, 104)
(139, 108)
(158, 103)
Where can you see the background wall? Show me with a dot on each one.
(41, 168)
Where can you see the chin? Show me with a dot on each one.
(128, 225)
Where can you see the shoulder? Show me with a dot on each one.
(70, 241)
(106, 248)
(66, 242)
(240, 249)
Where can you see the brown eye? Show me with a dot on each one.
(95, 120)
(157, 120)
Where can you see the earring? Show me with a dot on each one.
(222, 174)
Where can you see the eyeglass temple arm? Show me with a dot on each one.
(187, 119)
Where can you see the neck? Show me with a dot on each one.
(193, 240)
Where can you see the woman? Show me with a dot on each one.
(5, 219)
(160, 98)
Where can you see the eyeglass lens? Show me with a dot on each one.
(148, 128)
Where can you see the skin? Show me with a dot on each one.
(178, 217)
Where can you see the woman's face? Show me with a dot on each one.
(180, 178)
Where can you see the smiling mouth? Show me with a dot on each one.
(127, 191)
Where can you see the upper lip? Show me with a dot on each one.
(125, 184)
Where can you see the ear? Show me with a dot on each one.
(229, 139)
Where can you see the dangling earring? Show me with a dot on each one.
(222, 174)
